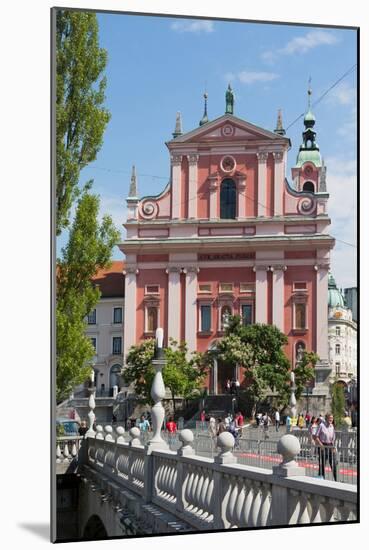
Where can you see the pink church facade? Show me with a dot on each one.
(229, 235)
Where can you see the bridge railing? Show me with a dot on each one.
(213, 493)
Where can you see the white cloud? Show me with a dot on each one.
(302, 44)
(199, 25)
(342, 208)
(251, 77)
(343, 94)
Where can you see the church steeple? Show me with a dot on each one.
(309, 149)
(133, 186)
(279, 128)
(229, 100)
(205, 119)
(178, 129)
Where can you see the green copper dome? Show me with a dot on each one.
(335, 298)
(309, 155)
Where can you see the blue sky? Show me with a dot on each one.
(158, 66)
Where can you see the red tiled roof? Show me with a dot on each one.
(111, 281)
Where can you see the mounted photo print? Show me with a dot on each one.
(205, 371)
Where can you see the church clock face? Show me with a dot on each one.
(228, 164)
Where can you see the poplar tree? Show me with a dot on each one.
(89, 249)
(81, 118)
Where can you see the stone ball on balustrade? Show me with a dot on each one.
(134, 432)
(99, 428)
(289, 447)
(108, 429)
(120, 430)
(225, 441)
(186, 436)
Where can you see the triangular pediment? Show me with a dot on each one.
(225, 128)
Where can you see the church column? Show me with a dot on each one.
(213, 187)
(174, 303)
(176, 185)
(321, 312)
(278, 296)
(262, 176)
(192, 185)
(261, 294)
(278, 183)
(241, 186)
(191, 307)
(130, 283)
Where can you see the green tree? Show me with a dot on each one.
(304, 371)
(182, 377)
(89, 249)
(338, 403)
(259, 349)
(81, 118)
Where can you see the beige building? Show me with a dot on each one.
(342, 336)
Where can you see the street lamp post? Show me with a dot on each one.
(308, 392)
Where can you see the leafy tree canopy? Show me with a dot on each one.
(182, 377)
(259, 349)
(89, 248)
(81, 118)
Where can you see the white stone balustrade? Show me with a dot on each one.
(204, 493)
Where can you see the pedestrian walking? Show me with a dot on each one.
(171, 428)
(288, 424)
(239, 419)
(144, 424)
(314, 424)
(258, 418)
(277, 420)
(202, 419)
(228, 386)
(221, 426)
(266, 423)
(300, 421)
(325, 438)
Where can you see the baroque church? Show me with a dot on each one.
(230, 235)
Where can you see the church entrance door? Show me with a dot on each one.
(225, 372)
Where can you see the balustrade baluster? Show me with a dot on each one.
(304, 516)
(204, 489)
(240, 502)
(248, 503)
(74, 450)
(226, 488)
(330, 509)
(58, 453)
(264, 518)
(66, 452)
(294, 506)
(316, 503)
(256, 505)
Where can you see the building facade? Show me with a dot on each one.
(342, 334)
(351, 301)
(105, 328)
(229, 235)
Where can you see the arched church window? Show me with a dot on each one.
(309, 186)
(228, 199)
